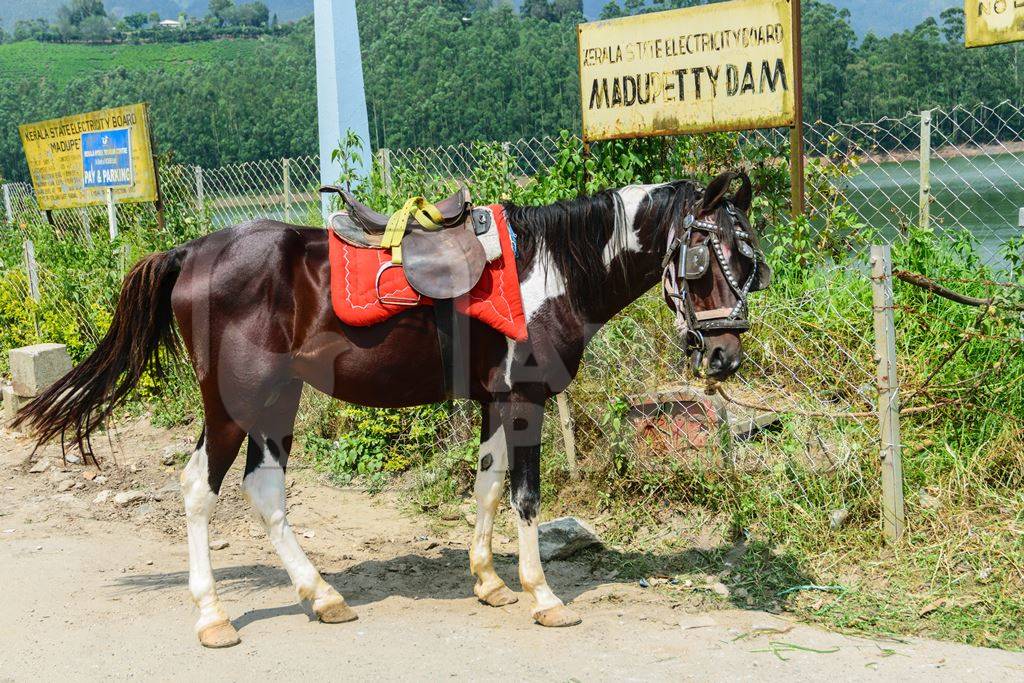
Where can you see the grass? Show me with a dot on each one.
(31, 60)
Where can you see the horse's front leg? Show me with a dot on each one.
(490, 483)
(523, 433)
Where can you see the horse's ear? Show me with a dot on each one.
(745, 195)
(715, 192)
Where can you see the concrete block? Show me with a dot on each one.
(12, 403)
(33, 368)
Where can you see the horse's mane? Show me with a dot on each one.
(575, 233)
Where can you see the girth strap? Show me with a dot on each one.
(418, 208)
(453, 340)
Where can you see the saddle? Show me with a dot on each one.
(442, 252)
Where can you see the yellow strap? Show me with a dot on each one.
(425, 213)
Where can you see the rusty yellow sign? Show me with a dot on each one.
(991, 22)
(725, 66)
(73, 160)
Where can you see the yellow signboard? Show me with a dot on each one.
(991, 22)
(725, 66)
(73, 160)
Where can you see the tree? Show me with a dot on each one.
(78, 11)
(219, 9)
(136, 21)
(94, 28)
(536, 9)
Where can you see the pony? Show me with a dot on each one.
(250, 305)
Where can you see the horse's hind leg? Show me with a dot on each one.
(200, 485)
(490, 482)
(270, 441)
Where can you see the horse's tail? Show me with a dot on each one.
(78, 403)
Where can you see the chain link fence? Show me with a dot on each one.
(811, 353)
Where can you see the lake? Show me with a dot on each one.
(982, 194)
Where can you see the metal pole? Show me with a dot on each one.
(385, 168)
(340, 93)
(568, 437)
(200, 189)
(8, 208)
(83, 214)
(888, 393)
(32, 269)
(33, 281)
(925, 198)
(286, 172)
(111, 213)
(796, 133)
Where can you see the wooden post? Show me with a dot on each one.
(286, 172)
(200, 189)
(888, 393)
(111, 213)
(796, 133)
(384, 155)
(568, 438)
(925, 198)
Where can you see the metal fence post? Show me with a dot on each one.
(111, 213)
(888, 393)
(32, 269)
(287, 178)
(925, 198)
(8, 207)
(568, 438)
(384, 155)
(200, 189)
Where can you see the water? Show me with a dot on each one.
(982, 195)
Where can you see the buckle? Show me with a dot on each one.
(393, 300)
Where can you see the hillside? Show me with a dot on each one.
(59, 63)
(881, 17)
(13, 10)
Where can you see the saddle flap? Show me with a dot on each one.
(444, 264)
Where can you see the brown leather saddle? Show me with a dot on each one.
(443, 263)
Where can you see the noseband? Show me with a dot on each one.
(684, 263)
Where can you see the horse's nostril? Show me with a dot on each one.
(717, 362)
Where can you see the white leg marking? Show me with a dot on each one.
(199, 503)
(489, 485)
(543, 283)
(264, 487)
(531, 572)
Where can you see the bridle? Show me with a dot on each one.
(685, 263)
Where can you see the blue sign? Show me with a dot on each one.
(107, 158)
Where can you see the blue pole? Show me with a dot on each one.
(340, 94)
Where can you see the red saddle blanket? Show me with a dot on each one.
(495, 300)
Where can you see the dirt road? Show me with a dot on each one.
(93, 590)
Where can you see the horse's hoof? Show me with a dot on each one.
(336, 613)
(221, 634)
(499, 597)
(557, 617)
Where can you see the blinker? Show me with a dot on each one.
(698, 259)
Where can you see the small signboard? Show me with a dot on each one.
(107, 158)
(724, 66)
(992, 22)
(73, 160)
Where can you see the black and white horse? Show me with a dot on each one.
(252, 306)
